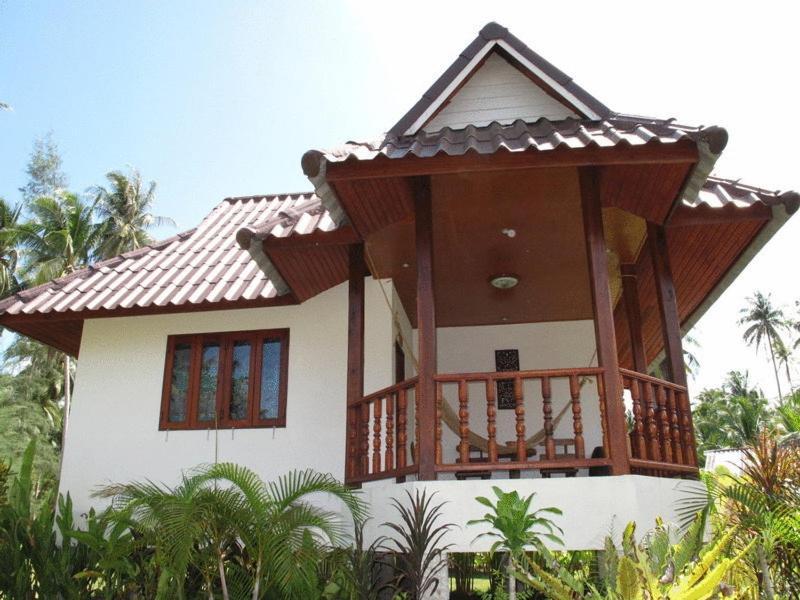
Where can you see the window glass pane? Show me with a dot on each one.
(270, 379)
(240, 373)
(179, 383)
(209, 373)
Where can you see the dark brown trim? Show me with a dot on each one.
(684, 151)
(687, 216)
(633, 312)
(342, 236)
(226, 341)
(426, 327)
(617, 431)
(355, 354)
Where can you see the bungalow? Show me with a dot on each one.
(493, 292)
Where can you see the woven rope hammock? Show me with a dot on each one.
(449, 416)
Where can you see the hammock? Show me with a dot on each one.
(450, 419)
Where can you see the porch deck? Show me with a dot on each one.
(385, 431)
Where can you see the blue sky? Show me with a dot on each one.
(214, 99)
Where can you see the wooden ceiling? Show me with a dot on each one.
(547, 251)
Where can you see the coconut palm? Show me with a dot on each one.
(60, 238)
(125, 213)
(246, 537)
(763, 323)
(784, 355)
(9, 220)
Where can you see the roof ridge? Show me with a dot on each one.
(231, 199)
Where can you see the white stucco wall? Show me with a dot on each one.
(113, 434)
(593, 507)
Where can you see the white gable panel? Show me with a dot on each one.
(498, 92)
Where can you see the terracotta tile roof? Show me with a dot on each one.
(201, 266)
(718, 192)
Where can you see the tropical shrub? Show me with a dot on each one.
(416, 545)
(516, 528)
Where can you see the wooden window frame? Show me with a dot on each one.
(226, 340)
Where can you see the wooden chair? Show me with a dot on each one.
(565, 450)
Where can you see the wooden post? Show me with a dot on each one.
(604, 320)
(633, 311)
(426, 328)
(671, 328)
(355, 354)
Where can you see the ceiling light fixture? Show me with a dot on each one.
(504, 281)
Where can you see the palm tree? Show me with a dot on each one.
(784, 356)
(245, 536)
(60, 238)
(763, 323)
(124, 211)
(9, 220)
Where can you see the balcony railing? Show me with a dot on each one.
(383, 438)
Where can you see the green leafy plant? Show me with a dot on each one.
(516, 528)
(417, 544)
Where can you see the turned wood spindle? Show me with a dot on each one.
(675, 431)
(639, 445)
(491, 419)
(577, 419)
(401, 429)
(652, 428)
(663, 417)
(463, 421)
(376, 438)
(519, 411)
(547, 409)
(389, 455)
(364, 438)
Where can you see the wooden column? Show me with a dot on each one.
(633, 311)
(426, 329)
(355, 355)
(671, 331)
(604, 320)
(667, 304)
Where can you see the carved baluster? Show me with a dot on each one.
(652, 428)
(675, 432)
(519, 411)
(639, 445)
(389, 457)
(491, 419)
(376, 438)
(364, 438)
(601, 395)
(463, 421)
(689, 454)
(401, 428)
(577, 419)
(663, 417)
(547, 408)
(438, 427)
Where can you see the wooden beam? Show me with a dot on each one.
(344, 235)
(671, 329)
(426, 328)
(667, 304)
(380, 166)
(355, 353)
(633, 312)
(687, 216)
(616, 427)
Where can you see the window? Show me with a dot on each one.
(232, 379)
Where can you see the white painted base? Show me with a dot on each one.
(593, 507)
